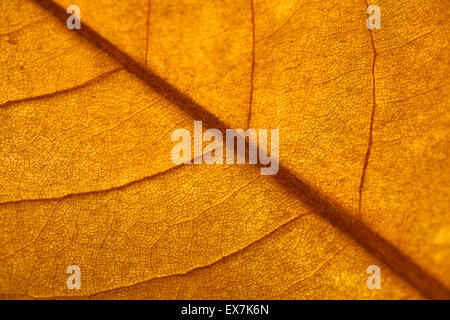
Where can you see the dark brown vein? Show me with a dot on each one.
(312, 197)
(252, 73)
(372, 117)
(55, 93)
(21, 28)
(278, 230)
(149, 6)
(115, 188)
(76, 194)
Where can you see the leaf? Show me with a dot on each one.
(332, 81)
(87, 177)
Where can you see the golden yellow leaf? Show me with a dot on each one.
(87, 178)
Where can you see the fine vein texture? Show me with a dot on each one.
(87, 177)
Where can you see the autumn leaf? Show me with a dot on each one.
(87, 177)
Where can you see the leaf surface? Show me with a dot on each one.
(363, 114)
(88, 178)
